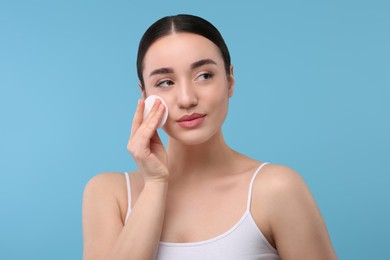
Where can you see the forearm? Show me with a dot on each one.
(140, 237)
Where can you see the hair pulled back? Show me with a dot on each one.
(176, 24)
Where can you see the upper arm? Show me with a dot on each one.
(294, 218)
(101, 215)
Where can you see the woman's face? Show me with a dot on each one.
(188, 72)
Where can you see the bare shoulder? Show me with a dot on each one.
(278, 187)
(106, 191)
(104, 182)
(272, 188)
(105, 185)
(285, 208)
(103, 213)
(278, 182)
(279, 177)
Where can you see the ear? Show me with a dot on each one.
(231, 81)
(142, 90)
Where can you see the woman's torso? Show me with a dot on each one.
(205, 220)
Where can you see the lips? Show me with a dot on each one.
(191, 121)
(190, 117)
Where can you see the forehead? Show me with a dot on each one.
(180, 49)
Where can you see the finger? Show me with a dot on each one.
(146, 136)
(156, 138)
(144, 129)
(154, 117)
(138, 117)
(149, 125)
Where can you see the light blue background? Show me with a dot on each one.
(312, 92)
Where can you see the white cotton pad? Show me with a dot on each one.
(149, 101)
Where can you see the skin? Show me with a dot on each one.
(196, 168)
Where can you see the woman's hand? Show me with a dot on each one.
(145, 145)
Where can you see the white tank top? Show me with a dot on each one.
(244, 241)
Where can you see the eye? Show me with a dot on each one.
(164, 84)
(205, 76)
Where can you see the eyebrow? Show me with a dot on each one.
(200, 63)
(194, 65)
(161, 71)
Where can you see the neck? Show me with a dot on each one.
(211, 157)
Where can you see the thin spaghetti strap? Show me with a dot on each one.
(128, 196)
(251, 185)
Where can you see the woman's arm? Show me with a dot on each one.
(295, 221)
(104, 235)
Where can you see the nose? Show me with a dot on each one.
(186, 96)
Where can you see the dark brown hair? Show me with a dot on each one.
(180, 23)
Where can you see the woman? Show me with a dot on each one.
(197, 198)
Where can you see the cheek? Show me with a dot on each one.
(218, 106)
(220, 96)
(223, 107)
(148, 90)
(223, 100)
